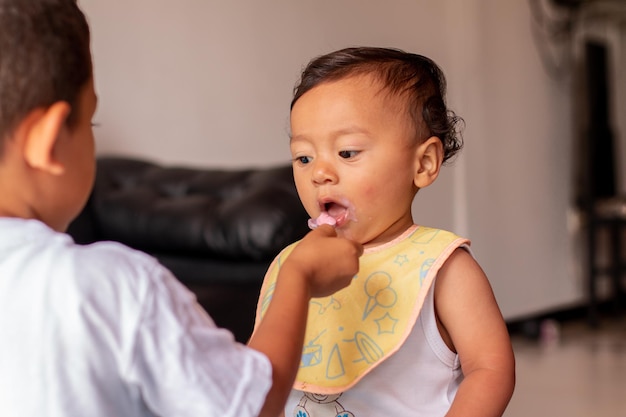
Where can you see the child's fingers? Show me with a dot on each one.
(326, 230)
(359, 247)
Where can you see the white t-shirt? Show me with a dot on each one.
(103, 330)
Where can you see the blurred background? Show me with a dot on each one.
(208, 83)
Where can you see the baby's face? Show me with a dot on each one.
(354, 158)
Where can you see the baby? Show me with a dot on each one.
(418, 332)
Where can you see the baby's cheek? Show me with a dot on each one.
(369, 191)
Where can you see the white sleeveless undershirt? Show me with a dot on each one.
(420, 379)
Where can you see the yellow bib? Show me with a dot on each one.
(349, 333)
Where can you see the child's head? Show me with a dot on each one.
(369, 128)
(44, 57)
(47, 101)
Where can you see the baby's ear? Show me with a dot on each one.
(42, 129)
(429, 157)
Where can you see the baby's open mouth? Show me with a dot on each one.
(336, 211)
(332, 213)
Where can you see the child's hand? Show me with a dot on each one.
(329, 263)
(318, 266)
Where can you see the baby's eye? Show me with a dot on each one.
(303, 159)
(348, 154)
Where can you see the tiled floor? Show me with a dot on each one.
(580, 373)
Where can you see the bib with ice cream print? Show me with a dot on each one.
(349, 333)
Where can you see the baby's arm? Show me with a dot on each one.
(470, 318)
(319, 265)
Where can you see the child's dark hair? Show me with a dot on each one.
(414, 76)
(44, 58)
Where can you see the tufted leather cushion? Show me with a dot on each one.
(239, 215)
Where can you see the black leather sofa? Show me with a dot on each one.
(217, 230)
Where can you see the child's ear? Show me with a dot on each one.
(429, 157)
(42, 131)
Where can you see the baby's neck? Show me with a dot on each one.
(379, 244)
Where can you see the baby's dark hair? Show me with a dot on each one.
(44, 58)
(413, 76)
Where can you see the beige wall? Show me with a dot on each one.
(208, 83)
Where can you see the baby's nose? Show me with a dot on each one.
(324, 173)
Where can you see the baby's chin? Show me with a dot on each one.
(348, 232)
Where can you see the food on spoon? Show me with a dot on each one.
(323, 218)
